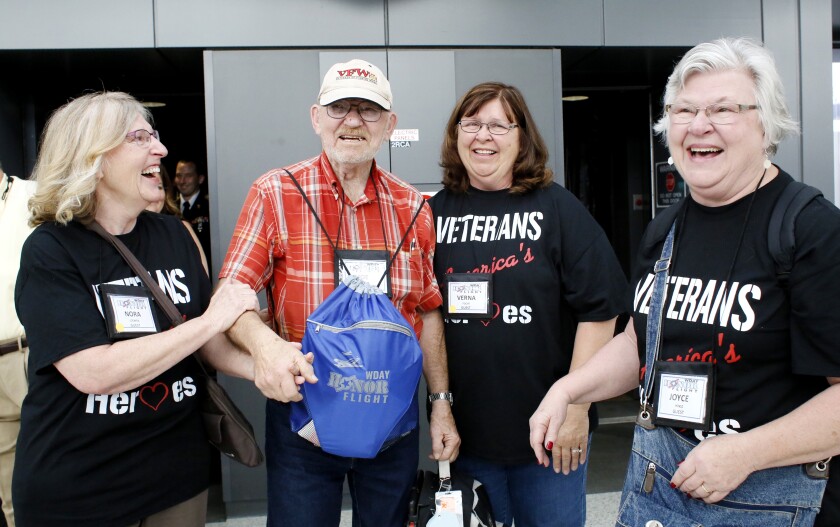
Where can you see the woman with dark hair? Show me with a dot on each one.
(531, 288)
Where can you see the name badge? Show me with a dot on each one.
(449, 511)
(469, 295)
(370, 266)
(129, 311)
(685, 394)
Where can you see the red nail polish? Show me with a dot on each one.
(673, 486)
(680, 462)
(550, 445)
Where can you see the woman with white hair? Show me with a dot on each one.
(111, 433)
(739, 395)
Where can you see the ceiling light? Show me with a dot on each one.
(575, 98)
(153, 104)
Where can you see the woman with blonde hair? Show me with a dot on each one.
(110, 432)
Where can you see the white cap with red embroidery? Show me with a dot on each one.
(356, 79)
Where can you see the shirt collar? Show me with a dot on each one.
(335, 184)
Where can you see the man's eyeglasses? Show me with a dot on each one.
(367, 111)
(472, 127)
(142, 137)
(721, 113)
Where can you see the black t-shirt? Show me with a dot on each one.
(552, 267)
(773, 354)
(105, 460)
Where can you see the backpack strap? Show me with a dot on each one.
(781, 237)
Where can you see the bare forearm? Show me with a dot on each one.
(126, 364)
(435, 368)
(250, 334)
(610, 372)
(227, 358)
(809, 433)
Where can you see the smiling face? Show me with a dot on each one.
(351, 140)
(720, 162)
(489, 159)
(187, 179)
(130, 178)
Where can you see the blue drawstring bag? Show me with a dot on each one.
(368, 363)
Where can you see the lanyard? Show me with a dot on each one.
(382, 221)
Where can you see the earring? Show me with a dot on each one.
(670, 160)
(767, 163)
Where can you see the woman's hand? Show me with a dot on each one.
(230, 300)
(571, 445)
(546, 421)
(714, 468)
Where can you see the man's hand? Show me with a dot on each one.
(280, 369)
(445, 439)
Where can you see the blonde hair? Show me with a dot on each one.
(73, 147)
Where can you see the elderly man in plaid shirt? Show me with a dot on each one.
(278, 243)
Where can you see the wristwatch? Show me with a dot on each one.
(442, 395)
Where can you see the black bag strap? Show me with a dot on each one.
(781, 237)
(160, 297)
(333, 245)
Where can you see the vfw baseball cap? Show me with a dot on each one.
(356, 79)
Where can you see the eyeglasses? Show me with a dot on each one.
(367, 111)
(721, 113)
(472, 127)
(142, 137)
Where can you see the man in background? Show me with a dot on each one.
(193, 201)
(14, 218)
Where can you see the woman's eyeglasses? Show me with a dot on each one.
(472, 127)
(721, 113)
(142, 137)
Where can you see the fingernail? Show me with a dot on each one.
(673, 486)
(680, 462)
(550, 445)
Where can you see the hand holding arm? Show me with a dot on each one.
(612, 371)
(570, 448)
(279, 366)
(126, 364)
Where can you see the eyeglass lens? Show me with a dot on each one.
(724, 113)
(472, 127)
(368, 112)
(143, 136)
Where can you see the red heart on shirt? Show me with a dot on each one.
(152, 397)
(498, 310)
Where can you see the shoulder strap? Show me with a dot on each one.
(781, 238)
(326, 234)
(317, 219)
(160, 297)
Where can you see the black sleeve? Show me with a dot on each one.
(815, 291)
(55, 303)
(593, 281)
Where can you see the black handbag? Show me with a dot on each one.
(227, 429)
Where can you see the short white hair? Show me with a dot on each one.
(736, 54)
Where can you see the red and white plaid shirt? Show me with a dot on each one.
(278, 240)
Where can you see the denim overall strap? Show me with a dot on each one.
(654, 320)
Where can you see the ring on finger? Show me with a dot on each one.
(577, 450)
(708, 492)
